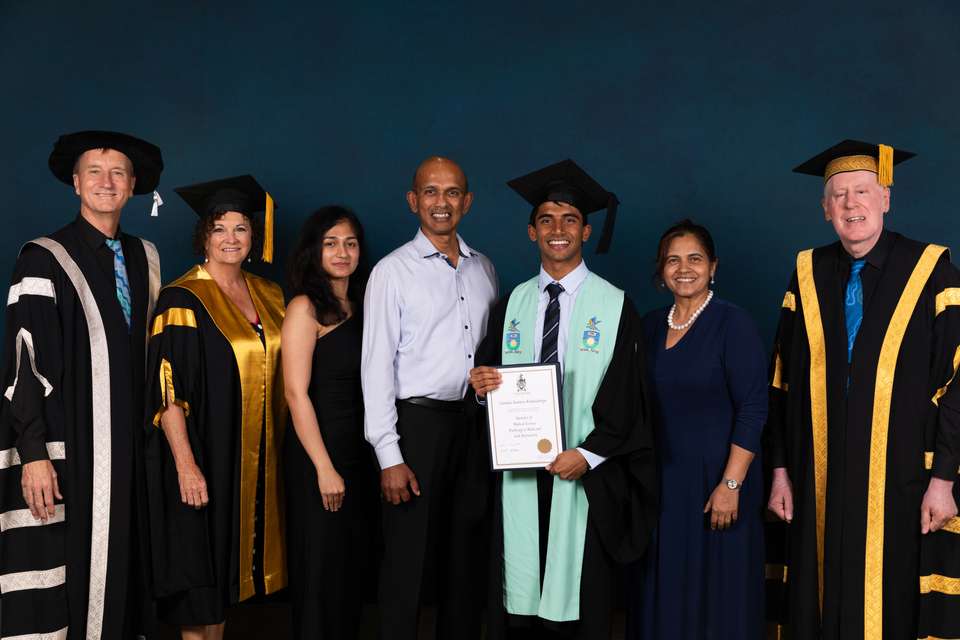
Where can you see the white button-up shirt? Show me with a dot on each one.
(422, 321)
(568, 297)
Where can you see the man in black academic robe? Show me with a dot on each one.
(70, 556)
(615, 462)
(854, 409)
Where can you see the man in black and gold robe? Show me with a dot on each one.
(864, 350)
(77, 311)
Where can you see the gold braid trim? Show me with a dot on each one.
(777, 382)
(940, 584)
(880, 424)
(790, 301)
(942, 390)
(849, 163)
(818, 399)
(947, 298)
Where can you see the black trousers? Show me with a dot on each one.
(438, 538)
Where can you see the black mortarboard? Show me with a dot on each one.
(567, 182)
(146, 158)
(242, 194)
(853, 155)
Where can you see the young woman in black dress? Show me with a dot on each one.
(331, 480)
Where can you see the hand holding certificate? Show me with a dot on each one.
(525, 417)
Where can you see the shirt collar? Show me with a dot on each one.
(92, 236)
(425, 248)
(570, 282)
(876, 257)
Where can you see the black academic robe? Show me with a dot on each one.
(205, 357)
(860, 433)
(621, 492)
(73, 394)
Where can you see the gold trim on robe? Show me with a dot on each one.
(952, 525)
(789, 301)
(777, 382)
(776, 572)
(940, 584)
(880, 423)
(949, 297)
(928, 461)
(818, 397)
(942, 390)
(168, 393)
(173, 317)
(259, 372)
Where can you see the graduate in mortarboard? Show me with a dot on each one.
(215, 416)
(76, 321)
(554, 559)
(863, 446)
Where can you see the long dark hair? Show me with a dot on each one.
(305, 271)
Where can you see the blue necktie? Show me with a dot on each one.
(120, 275)
(853, 305)
(551, 325)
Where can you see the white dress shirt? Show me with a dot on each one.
(422, 322)
(568, 297)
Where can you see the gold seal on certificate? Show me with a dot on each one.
(525, 417)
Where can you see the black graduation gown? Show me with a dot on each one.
(76, 398)
(870, 562)
(205, 357)
(622, 492)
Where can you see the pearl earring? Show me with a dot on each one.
(712, 281)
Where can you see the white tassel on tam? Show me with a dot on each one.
(157, 203)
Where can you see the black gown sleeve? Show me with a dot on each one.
(945, 289)
(175, 370)
(34, 353)
(774, 434)
(623, 492)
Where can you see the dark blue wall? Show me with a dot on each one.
(683, 111)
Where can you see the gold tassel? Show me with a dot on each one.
(885, 165)
(267, 255)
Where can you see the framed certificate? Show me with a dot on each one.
(525, 417)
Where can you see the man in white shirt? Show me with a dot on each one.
(425, 311)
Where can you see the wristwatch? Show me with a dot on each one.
(732, 484)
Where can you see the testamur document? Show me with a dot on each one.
(525, 417)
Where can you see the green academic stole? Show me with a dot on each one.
(589, 349)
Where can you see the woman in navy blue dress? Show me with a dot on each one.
(703, 575)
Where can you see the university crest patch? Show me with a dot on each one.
(512, 339)
(591, 336)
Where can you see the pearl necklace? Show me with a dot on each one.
(681, 327)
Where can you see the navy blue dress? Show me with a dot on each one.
(711, 391)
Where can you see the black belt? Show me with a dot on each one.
(430, 403)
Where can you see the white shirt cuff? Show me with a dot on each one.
(592, 459)
(389, 456)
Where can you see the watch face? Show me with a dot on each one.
(732, 484)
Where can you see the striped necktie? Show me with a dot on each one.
(551, 324)
(853, 305)
(120, 275)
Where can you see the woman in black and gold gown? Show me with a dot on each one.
(215, 415)
(331, 480)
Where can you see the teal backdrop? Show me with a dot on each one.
(695, 109)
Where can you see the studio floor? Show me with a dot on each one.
(273, 621)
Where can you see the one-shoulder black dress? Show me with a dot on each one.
(331, 555)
